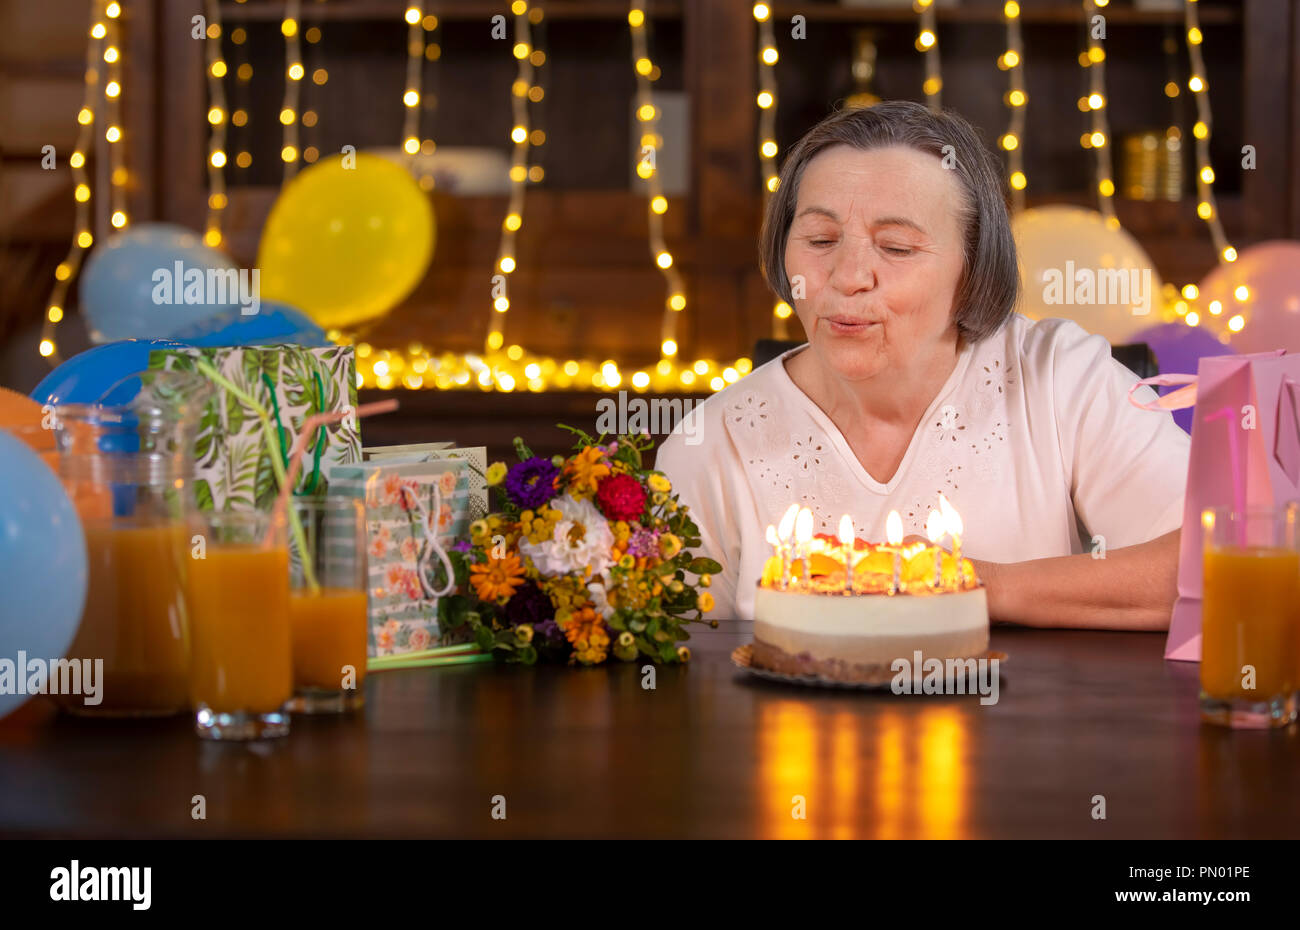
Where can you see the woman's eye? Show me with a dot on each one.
(896, 250)
(822, 242)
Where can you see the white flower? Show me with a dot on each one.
(596, 591)
(582, 540)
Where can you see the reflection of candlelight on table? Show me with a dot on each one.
(935, 529)
(894, 536)
(846, 549)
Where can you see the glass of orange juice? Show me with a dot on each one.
(241, 663)
(1250, 616)
(327, 606)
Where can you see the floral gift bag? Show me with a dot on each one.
(233, 468)
(416, 505)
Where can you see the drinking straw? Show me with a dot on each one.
(273, 442)
(434, 653)
(310, 425)
(468, 658)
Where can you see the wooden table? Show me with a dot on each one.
(710, 752)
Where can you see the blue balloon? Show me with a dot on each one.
(43, 566)
(148, 281)
(273, 324)
(101, 374)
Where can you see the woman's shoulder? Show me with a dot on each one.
(1047, 347)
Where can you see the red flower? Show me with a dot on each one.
(621, 497)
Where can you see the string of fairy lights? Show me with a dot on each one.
(927, 42)
(293, 75)
(1093, 61)
(767, 147)
(113, 132)
(521, 92)
(1207, 207)
(82, 237)
(217, 119)
(1012, 61)
(238, 116)
(420, 47)
(647, 170)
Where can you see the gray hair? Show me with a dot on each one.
(990, 279)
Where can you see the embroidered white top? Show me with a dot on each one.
(1032, 439)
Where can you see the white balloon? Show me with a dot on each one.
(1073, 266)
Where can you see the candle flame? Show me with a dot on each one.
(934, 526)
(951, 519)
(894, 528)
(771, 536)
(786, 526)
(803, 526)
(846, 530)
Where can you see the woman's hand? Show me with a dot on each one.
(1128, 589)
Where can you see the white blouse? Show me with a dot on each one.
(1032, 439)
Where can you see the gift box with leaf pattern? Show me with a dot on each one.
(233, 468)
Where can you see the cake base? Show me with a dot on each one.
(774, 659)
(871, 678)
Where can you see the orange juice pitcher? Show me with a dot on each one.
(129, 472)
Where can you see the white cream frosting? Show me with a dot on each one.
(868, 628)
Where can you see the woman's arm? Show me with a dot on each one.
(1130, 589)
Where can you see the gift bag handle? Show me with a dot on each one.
(1180, 399)
(432, 547)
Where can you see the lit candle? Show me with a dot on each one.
(846, 548)
(803, 533)
(784, 532)
(894, 536)
(953, 524)
(934, 528)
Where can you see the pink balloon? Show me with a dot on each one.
(1271, 271)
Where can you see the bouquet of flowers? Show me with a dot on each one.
(588, 555)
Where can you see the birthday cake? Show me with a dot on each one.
(846, 612)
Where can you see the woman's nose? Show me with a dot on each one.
(855, 266)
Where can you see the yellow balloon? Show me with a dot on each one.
(346, 244)
(1074, 266)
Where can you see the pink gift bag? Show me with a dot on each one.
(1245, 454)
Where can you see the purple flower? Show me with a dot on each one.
(462, 545)
(531, 605)
(531, 483)
(643, 543)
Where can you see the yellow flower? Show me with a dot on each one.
(669, 545)
(626, 639)
(658, 482)
(478, 530)
(496, 473)
(584, 471)
(683, 653)
(706, 580)
(706, 601)
(627, 562)
(497, 579)
(524, 633)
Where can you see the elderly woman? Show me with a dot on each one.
(889, 236)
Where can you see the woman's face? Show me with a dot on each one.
(877, 241)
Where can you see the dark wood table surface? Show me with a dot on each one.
(710, 752)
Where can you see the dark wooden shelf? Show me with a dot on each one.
(380, 10)
(1062, 15)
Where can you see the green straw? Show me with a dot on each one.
(273, 442)
(468, 658)
(459, 649)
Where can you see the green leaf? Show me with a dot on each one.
(203, 494)
(668, 652)
(484, 638)
(527, 655)
(616, 622)
(703, 566)
(645, 648)
(522, 450)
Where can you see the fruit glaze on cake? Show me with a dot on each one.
(846, 612)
